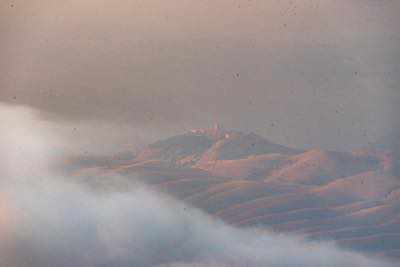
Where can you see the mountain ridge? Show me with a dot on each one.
(246, 180)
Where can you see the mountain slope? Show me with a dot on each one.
(244, 179)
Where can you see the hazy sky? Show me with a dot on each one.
(301, 72)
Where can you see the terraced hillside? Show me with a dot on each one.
(246, 180)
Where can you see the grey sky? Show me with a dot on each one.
(303, 73)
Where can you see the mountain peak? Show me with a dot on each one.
(206, 144)
(215, 132)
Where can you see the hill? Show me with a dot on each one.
(246, 180)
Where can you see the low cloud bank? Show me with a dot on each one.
(46, 221)
(59, 224)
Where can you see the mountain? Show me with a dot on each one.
(351, 197)
(201, 147)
